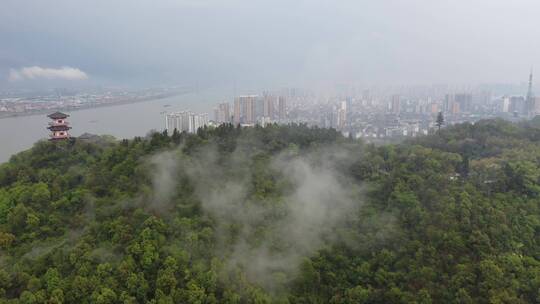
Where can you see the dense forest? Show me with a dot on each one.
(275, 214)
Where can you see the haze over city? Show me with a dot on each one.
(258, 44)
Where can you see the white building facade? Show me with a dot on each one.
(185, 121)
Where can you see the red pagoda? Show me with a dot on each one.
(59, 126)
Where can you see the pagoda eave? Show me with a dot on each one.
(59, 128)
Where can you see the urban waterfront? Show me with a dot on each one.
(373, 114)
(20, 133)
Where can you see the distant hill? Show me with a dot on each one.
(280, 214)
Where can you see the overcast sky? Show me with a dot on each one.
(278, 42)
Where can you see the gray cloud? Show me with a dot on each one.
(276, 42)
(36, 72)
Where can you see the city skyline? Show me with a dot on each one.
(368, 114)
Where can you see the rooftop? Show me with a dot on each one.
(57, 115)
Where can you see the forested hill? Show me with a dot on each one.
(280, 214)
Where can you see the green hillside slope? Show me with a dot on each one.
(281, 214)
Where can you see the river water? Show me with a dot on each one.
(121, 121)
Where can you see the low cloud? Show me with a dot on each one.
(265, 234)
(36, 72)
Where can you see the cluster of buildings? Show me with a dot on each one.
(521, 106)
(185, 121)
(409, 111)
(371, 114)
(247, 110)
(252, 109)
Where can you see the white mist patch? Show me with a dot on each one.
(273, 235)
(36, 72)
(319, 202)
(164, 178)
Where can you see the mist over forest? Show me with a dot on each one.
(275, 214)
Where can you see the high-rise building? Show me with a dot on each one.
(530, 101)
(465, 101)
(457, 103)
(482, 98)
(249, 107)
(342, 115)
(505, 104)
(455, 108)
(173, 121)
(448, 103)
(199, 121)
(433, 108)
(282, 108)
(395, 105)
(245, 109)
(536, 106)
(269, 104)
(517, 105)
(237, 117)
(223, 115)
(259, 107)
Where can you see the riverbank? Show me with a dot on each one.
(91, 105)
(125, 120)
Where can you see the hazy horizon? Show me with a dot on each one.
(260, 43)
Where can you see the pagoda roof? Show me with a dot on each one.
(59, 128)
(57, 115)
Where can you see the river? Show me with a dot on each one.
(121, 121)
